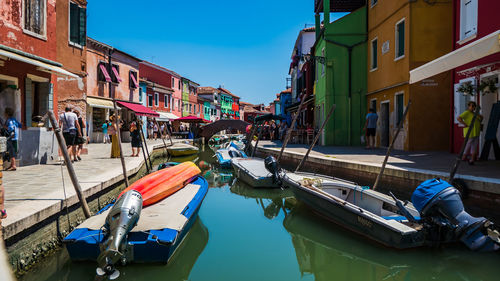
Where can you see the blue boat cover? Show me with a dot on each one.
(426, 191)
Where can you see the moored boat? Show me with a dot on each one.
(125, 232)
(253, 172)
(182, 149)
(225, 156)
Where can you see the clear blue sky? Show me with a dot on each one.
(244, 45)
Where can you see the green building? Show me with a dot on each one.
(340, 51)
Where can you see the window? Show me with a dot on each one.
(140, 94)
(150, 100)
(179, 84)
(468, 18)
(77, 24)
(34, 17)
(132, 80)
(115, 73)
(166, 97)
(102, 72)
(400, 39)
(374, 62)
(399, 108)
(157, 99)
(373, 3)
(190, 108)
(323, 64)
(373, 104)
(173, 82)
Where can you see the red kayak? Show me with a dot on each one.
(163, 183)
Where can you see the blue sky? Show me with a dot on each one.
(244, 45)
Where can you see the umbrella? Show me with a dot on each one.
(191, 119)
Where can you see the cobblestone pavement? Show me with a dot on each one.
(433, 161)
(31, 187)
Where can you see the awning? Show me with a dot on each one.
(100, 103)
(139, 109)
(191, 119)
(166, 116)
(481, 48)
(42, 66)
(117, 75)
(294, 107)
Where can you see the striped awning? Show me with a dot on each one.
(100, 103)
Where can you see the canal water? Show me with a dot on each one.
(248, 234)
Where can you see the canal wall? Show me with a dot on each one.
(40, 233)
(481, 194)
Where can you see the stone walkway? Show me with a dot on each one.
(32, 191)
(436, 161)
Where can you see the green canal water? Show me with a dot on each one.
(247, 234)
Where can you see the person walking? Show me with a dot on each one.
(150, 129)
(371, 128)
(136, 140)
(68, 121)
(11, 125)
(105, 135)
(80, 141)
(471, 148)
(113, 131)
(155, 130)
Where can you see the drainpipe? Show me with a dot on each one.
(349, 53)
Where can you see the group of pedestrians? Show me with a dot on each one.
(159, 129)
(9, 129)
(73, 127)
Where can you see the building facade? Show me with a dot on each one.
(340, 60)
(403, 35)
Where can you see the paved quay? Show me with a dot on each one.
(484, 176)
(37, 192)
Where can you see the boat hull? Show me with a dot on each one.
(145, 246)
(253, 172)
(354, 219)
(182, 150)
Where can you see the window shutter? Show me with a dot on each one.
(83, 27)
(470, 12)
(401, 39)
(74, 28)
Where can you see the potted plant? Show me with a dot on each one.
(488, 86)
(466, 88)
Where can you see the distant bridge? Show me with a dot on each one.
(211, 129)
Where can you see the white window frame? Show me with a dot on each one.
(473, 35)
(165, 101)
(400, 93)
(29, 32)
(152, 100)
(396, 40)
(373, 3)
(376, 53)
(157, 99)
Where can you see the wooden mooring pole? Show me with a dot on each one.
(161, 137)
(289, 132)
(69, 165)
(250, 137)
(316, 138)
(146, 149)
(400, 125)
(143, 143)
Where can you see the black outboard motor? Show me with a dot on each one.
(440, 203)
(272, 166)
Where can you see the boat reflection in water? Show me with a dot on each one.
(178, 268)
(330, 252)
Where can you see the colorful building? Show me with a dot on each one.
(189, 99)
(404, 35)
(30, 70)
(229, 104)
(106, 82)
(285, 101)
(340, 60)
(211, 108)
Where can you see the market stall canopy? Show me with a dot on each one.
(139, 109)
(100, 103)
(41, 63)
(166, 116)
(481, 48)
(191, 119)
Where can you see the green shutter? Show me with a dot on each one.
(83, 27)
(401, 39)
(73, 23)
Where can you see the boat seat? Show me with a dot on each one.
(398, 218)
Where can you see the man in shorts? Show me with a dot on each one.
(68, 121)
(371, 128)
(471, 148)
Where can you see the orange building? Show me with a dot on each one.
(403, 35)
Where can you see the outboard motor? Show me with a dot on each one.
(122, 217)
(272, 166)
(439, 203)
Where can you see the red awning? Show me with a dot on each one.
(139, 109)
(105, 72)
(191, 119)
(134, 80)
(117, 75)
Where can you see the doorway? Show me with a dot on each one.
(384, 124)
(486, 102)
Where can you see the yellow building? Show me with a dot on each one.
(403, 35)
